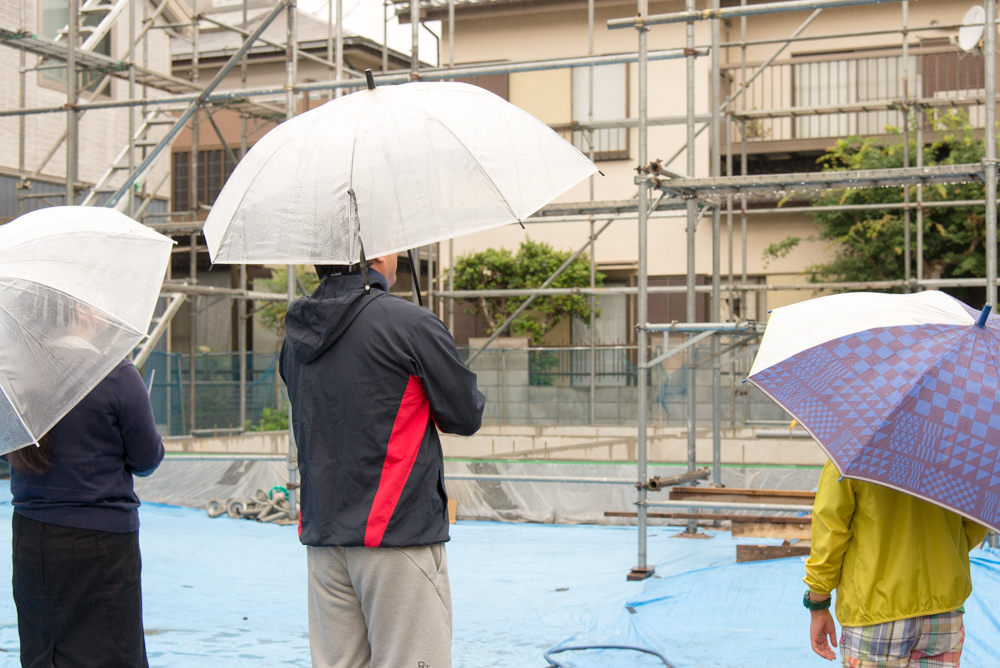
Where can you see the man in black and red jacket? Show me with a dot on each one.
(372, 378)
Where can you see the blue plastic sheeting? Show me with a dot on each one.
(750, 615)
(232, 593)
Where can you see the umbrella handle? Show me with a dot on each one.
(416, 278)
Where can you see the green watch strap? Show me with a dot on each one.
(815, 605)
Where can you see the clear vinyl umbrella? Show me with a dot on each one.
(78, 286)
(394, 167)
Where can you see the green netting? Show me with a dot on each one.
(216, 390)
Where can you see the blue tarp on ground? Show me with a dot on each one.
(230, 593)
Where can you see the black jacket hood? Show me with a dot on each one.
(316, 322)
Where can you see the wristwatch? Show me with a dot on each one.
(815, 605)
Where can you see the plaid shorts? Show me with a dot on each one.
(932, 641)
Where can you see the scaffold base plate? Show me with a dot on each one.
(640, 573)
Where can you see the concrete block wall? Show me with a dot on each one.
(564, 443)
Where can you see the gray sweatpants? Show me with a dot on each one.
(383, 607)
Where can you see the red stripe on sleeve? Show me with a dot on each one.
(404, 443)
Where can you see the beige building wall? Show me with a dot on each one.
(561, 31)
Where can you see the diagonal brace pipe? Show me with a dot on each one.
(684, 346)
(176, 299)
(521, 309)
(102, 85)
(202, 98)
(757, 72)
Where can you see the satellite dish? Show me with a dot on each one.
(973, 27)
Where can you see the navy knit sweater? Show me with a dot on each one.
(96, 448)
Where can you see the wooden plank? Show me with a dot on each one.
(715, 491)
(764, 528)
(714, 517)
(745, 553)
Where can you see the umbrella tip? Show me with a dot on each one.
(984, 315)
(371, 79)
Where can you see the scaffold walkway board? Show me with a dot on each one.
(768, 184)
(47, 48)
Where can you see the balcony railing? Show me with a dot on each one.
(857, 93)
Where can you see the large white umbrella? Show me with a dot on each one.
(397, 167)
(78, 286)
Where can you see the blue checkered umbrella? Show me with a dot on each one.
(899, 390)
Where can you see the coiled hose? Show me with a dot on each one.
(555, 650)
(262, 506)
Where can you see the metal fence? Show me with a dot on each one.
(216, 391)
(532, 386)
(553, 386)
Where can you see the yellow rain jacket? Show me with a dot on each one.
(889, 555)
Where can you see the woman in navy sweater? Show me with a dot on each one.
(76, 529)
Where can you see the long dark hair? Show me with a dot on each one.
(31, 459)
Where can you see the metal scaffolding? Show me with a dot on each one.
(155, 120)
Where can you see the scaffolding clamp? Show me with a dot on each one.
(656, 483)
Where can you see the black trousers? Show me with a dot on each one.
(78, 596)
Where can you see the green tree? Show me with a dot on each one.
(869, 244)
(271, 419)
(272, 316)
(533, 263)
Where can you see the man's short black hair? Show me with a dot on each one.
(324, 270)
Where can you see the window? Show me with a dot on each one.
(952, 74)
(610, 104)
(55, 20)
(181, 175)
(213, 172)
(498, 84)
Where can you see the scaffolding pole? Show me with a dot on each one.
(691, 206)
(72, 113)
(715, 154)
(716, 13)
(291, 62)
(642, 569)
(990, 39)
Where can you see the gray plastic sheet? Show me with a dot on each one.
(586, 503)
(194, 482)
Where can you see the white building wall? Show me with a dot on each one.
(103, 133)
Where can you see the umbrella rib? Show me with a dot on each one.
(472, 156)
(351, 194)
(246, 191)
(39, 344)
(989, 348)
(27, 429)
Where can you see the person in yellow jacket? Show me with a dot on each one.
(900, 566)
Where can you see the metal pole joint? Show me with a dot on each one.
(656, 483)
